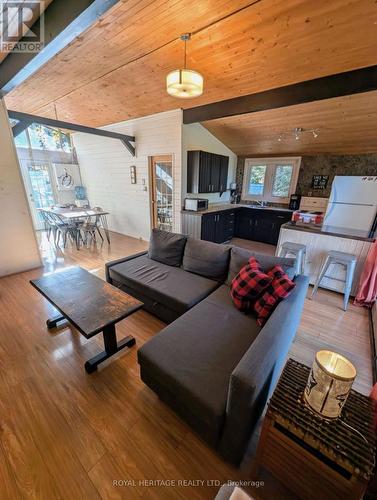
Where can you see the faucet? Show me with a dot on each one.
(261, 203)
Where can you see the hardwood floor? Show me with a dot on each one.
(66, 434)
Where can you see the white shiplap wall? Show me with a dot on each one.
(105, 169)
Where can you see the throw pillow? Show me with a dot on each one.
(166, 247)
(248, 284)
(279, 288)
(239, 257)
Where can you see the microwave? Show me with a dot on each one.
(196, 204)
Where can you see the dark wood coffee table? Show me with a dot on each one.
(91, 305)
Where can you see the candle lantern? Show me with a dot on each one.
(329, 384)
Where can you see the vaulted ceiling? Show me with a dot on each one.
(342, 125)
(116, 70)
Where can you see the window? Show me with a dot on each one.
(40, 137)
(257, 178)
(270, 179)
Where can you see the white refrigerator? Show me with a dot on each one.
(352, 203)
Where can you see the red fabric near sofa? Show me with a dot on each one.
(367, 288)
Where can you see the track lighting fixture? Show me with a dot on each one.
(297, 133)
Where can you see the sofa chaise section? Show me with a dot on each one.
(216, 368)
(190, 362)
(166, 291)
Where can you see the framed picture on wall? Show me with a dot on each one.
(320, 181)
(67, 176)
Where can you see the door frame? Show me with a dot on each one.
(24, 164)
(152, 185)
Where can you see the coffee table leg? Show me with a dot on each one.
(52, 322)
(111, 347)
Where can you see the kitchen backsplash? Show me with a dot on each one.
(324, 165)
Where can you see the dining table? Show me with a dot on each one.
(77, 213)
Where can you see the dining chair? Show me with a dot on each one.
(89, 227)
(64, 229)
(47, 223)
(102, 223)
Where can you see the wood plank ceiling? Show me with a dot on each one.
(117, 69)
(343, 125)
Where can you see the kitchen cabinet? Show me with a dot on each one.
(218, 227)
(264, 230)
(255, 224)
(206, 172)
(244, 224)
(260, 225)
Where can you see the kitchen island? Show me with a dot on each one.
(319, 240)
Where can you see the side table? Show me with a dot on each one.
(313, 457)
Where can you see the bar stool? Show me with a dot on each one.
(345, 259)
(299, 251)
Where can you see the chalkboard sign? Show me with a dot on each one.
(320, 181)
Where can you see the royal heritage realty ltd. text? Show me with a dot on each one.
(179, 483)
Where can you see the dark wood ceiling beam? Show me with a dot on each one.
(64, 20)
(26, 119)
(342, 84)
(19, 127)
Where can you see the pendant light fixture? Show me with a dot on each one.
(184, 83)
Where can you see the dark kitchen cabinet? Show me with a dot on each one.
(218, 227)
(244, 224)
(209, 227)
(206, 172)
(260, 225)
(264, 230)
(223, 174)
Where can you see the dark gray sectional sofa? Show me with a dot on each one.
(212, 364)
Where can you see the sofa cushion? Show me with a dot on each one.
(171, 285)
(206, 258)
(193, 358)
(239, 257)
(166, 247)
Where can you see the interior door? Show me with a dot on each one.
(39, 188)
(161, 192)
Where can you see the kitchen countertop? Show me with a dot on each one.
(232, 206)
(340, 232)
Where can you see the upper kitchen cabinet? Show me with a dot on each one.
(206, 172)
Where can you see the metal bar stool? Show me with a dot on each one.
(345, 259)
(296, 249)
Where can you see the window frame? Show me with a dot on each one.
(271, 164)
